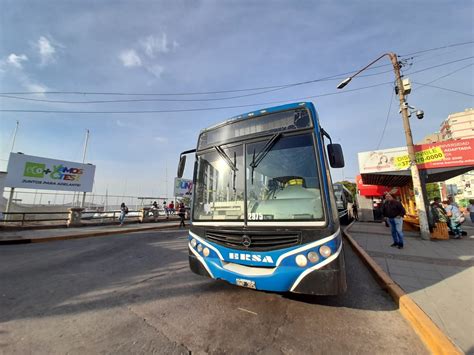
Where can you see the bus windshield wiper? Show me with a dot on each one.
(232, 164)
(262, 154)
(224, 156)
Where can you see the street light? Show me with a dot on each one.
(415, 174)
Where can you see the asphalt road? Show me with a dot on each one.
(134, 294)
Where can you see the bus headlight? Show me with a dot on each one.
(313, 256)
(205, 252)
(301, 260)
(193, 243)
(325, 251)
(199, 248)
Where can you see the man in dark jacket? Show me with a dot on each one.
(394, 211)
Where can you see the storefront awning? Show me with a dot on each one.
(439, 161)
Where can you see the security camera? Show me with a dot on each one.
(420, 114)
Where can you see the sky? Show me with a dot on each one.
(182, 47)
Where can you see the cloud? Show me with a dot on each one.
(161, 139)
(130, 58)
(16, 60)
(121, 123)
(38, 88)
(156, 70)
(153, 45)
(46, 50)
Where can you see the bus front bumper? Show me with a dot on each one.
(327, 279)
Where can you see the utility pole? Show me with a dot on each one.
(12, 189)
(415, 173)
(14, 136)
(418, 191)
(83, 162)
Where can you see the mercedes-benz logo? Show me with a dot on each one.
(246, 241)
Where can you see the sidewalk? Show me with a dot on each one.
(437, 275)
(47, 235)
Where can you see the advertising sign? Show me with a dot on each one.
(183, 187)
(447, 154)
(374, 190)
(384, 160)
(30, 172)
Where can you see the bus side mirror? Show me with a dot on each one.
(336, 158)
(181, 165)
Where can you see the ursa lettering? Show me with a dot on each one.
(251, 257)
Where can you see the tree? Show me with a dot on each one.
(432, 191)
(351, 186)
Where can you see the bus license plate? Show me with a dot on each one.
(245, 283)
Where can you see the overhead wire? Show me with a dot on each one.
(437, 48)
(282, 86)
(209, 99)
(418, 87)
(386, 120)
(299, 99)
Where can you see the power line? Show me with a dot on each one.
(446, 89)
(437, 48)
(198, 109)
(418, 87)
(444, 76)
(269, 88)
(333, 77)
(386, 120)
(440, 65)
(212, 99)
(249, 105)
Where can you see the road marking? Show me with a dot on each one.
(246, 310)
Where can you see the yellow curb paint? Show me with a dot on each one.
(434, 339)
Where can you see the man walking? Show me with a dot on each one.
(394, 211)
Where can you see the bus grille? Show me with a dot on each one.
(258, 240)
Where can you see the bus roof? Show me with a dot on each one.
(259, 113)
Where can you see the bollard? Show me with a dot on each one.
(144, 215)
(75, 215)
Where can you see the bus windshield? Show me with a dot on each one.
(281, 175)
(283, 183)
(219, 190)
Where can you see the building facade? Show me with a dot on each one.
(459, 125)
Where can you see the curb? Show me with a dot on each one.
(434, 339)
(81, 235)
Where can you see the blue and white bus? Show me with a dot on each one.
(263, 209)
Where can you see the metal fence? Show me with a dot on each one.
(54, 218)
(30, 201)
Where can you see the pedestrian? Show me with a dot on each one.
(470, 208)
(123, 212)
(171, 208)
(165, 207)
(182, 215)
(394, 211)
(456, 218)
(438, 212)
(155, 210)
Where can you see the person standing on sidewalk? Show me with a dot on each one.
(470, 208)
(182, 215)
(394, 211)
(123, 212)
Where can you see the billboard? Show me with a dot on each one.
(183, 187)
(30, 172)
(447, 154)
